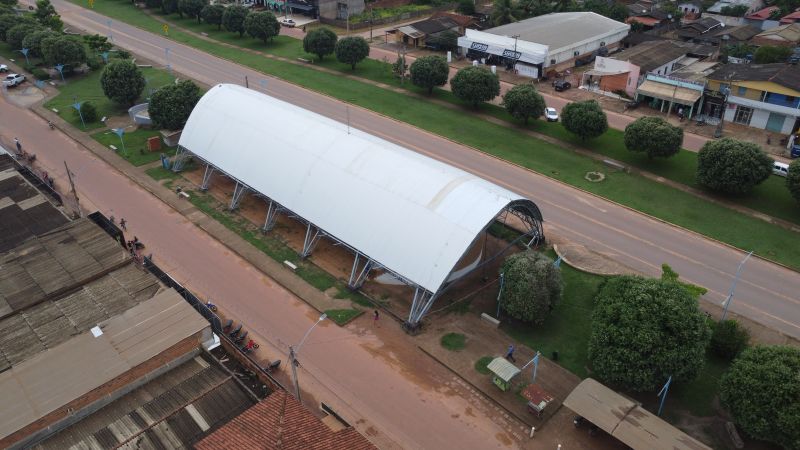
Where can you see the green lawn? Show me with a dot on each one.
(87, 88)
(454, 341)
(634, 191)
(343, 316)
(159, 173)
(698, 395)
(135, 145)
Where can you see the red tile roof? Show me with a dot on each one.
(280, 422)
(762, 14)
(791, 18)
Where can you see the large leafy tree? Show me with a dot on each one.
(192, 8)
(17, 34)
(212, 14)
(320, 42)
(66, 50)
(122, 82)
(761, 390)
(171, 105)
(98, 43)
(262, 25)
(10, 20)
(732, 167)
(33, 41)
(351, 50)
(769, 54)
(584, 119)
(429, 71)
(523, 102)
(233, 19)
(793, 179)
(645, 330)
(46, 15)
(653, 136)
(475, 85)
(505, 11)
(532, 286)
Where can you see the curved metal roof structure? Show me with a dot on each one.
(408, 213)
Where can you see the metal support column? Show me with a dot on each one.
(238, 193)
(357, 278)
(207, 177)
(419, 306)
(312, 237)
(272, 215)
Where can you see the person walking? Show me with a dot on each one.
(18, 144)
(122, 223)
(375, 317)
(510, 353)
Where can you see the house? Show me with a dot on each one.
(784, 35)
(654, 18)
(691, 9)
(691, 30)
(552, 42)
(463, 21)
(752, 5)
(764, 96)
(728, 35)
(765, 18)
(626, 70)
(790, 18)
(419, 33)
(682, 89)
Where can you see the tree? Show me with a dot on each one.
(192, 8)
(732, 167)
(524, 102)
(169, 7)
(9, 21)
(122, 82)
(320, 42)
(351, 50)
(739, 50)
(262, 25)
(475, 85)
(734, 11)
(98, 43)
(171, 105)
(212, 15)
(466, 7)
(233, 19)
(17, 33)
(728, 339)
(430, 71)
(645, 330)
(793, 179)
(505, 11)
(653, 136)
(446, 40)
(47, 16)
(769, 54)
(88, 112)
(66, 50)
(761, 390)
(532, 286)
(33, 41)
(584, 119)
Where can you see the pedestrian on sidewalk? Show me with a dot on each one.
(375, 317)
(510, 353)
(122, 223)
(19, 146)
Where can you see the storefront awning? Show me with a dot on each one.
(600, 73)
(668, 92)
(411, 32)
(523, 51)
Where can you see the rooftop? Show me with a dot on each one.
(67, 371)
(651, 55)
(562, 30)
(789, 33)
(279, 422)
(698, 27)
(433, 25)
(763, 14)
(738, 33)
(781, 74)
(791, 18)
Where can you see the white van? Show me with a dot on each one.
(779, 168)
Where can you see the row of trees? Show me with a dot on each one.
(322, 42)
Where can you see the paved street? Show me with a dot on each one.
(766, 293)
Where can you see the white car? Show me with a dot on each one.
(13, 79)
(551, 114)
(3, 68)
(288, 23)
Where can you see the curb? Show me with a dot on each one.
(582, 269)
(484, 394)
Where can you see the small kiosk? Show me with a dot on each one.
(502, 372)
(538, 399)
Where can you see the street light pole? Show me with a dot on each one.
(733, 286)
(293, 356)
(516, 36)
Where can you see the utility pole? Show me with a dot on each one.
(73, 191)
(726, 91)
(516, 57)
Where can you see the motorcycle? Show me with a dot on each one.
(211, 306)
(51, 125)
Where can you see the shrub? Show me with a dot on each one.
(122, 82)
(732, 167)
(351, 50)
(482, 363)
(729, 339)
(88, 111)
(171, 105)
(40, 74)
(123, 54)
(94, 63)
(653, 136)
(793, 179)
(475, 85)
(584, 119)
(532, 286)
(320, 42)
(430, 71)
(524, 102)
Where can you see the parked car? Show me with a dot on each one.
(780, 169)
(561, 85)
(551, 114)
(13, 79)
(3, 68)
(288, 23)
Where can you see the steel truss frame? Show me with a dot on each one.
(363, 265)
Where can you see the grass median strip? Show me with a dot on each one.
(512, 145)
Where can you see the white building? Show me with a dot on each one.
(564, 37)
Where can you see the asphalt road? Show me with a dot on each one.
(766, 292)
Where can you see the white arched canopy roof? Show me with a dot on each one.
(412, 214)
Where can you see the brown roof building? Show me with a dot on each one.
(280, 422)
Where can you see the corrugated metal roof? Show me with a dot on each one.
(58, 376)
(503, 369)
(412, 214)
